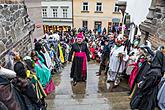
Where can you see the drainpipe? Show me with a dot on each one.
(72, 15)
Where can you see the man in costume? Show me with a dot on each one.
(79, 65)
(118, 58)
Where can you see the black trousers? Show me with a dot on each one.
(104, 64)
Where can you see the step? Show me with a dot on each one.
(76, 100)
(91, 107)
(116, 100)
(99, 95)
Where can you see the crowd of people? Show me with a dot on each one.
(144, 67)
(119, 57)
(26, 81)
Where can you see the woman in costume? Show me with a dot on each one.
(81, 56)
(26, 87)
(145, 95)
(42, 72)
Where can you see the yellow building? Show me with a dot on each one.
(95, 14)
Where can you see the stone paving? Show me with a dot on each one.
(95, 94)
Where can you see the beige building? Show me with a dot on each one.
(96, 14)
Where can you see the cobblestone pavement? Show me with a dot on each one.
(95, 94)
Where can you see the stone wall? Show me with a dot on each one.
(156, 41)
(155, 23)
(15, 28)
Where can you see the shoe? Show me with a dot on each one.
(109, 81)
(83, 80)
(98, 74)
(129, 97)
(116, 83)
(74, 83)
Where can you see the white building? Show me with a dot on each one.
(138, 10)
(56, 15)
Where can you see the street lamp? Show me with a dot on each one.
(122, 6)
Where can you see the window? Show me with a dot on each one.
(98, 7)
(85, 6)
(44, 12)
(65, 14)
(116, 8)
(109, 27)
(97, 26)
(55, 13)
(85, 24)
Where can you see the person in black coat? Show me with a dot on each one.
(105, 55)
(79, 65)
(145, 95)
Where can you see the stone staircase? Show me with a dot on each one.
(101, 101)
(95, 94)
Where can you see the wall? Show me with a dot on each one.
(60, 21)
(15, 29)
(34, 11)
(154, 25)
(105, 17)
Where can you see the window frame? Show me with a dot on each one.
(99, 6)
(55, 12)
(97, 23)
(85, 7)
(65, 15)
(116, 9)
(44, 12)
(85, 24)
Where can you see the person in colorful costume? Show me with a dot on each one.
(42, 72)
(117, 62)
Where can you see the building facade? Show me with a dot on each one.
(96, 14)
(56, 15)
(34, 11)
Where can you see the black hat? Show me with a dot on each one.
(29, 64)
(38, 46)
(20, 69)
